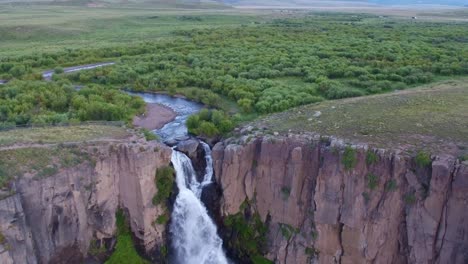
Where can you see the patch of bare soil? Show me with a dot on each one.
(155, 117)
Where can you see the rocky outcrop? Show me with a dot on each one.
(54, 219)
(330, 203)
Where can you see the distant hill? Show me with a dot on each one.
(159, 3)
(422, 2)
(342, 2)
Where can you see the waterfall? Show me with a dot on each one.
(194, 235)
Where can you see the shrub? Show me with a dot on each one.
(423, 159)
(371, 157)
(149, 135)
(58, 70)
(209, 123)
(463, 157)
(248, 235)
(162, 219)
(164, 180)
(288, 231)
(207, 129)
(410, 198)
(391, 185)
(192, 123)
(372, 181)
(311, 251)
(125, 251)
(349, 158)
(96, 248)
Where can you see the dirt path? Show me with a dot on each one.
(155, 117)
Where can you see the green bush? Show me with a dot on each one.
(124, 251)
(391, 185)
(96, 248)
(349, 158)
(149, 135)
(164, 181)
(463, 157)
(248, 235)
(410, 198)
(58, 70)
(288, 231)
(311, 251)
(163, 219)
(423, 159)
(209, 123)
(372, 181)
(371, 157)
(24, 102)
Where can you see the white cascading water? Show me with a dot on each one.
(194, 235)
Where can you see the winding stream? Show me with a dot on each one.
(176, 129)
(194, 235)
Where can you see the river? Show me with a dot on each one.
(175, 130)
(193, 233)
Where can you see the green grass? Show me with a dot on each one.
(26, 29)
(49, 135)
(149, 135)
(38, 162)
(432, 117)
(125, 251)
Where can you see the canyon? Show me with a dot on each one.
(322, 200)
(55, 219)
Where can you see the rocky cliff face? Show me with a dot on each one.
(328, 203)
(54, 219)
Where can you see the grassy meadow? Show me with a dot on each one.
(247, 63)
(432, 117)
(45, 28)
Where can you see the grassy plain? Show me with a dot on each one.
(432, 117)
(258, 61)
(37, 162)
(45, 28)
(53, 135)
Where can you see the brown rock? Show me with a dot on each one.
(51, 219)
(301, 182)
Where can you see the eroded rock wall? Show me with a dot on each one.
(385, 211)
(53, 220)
